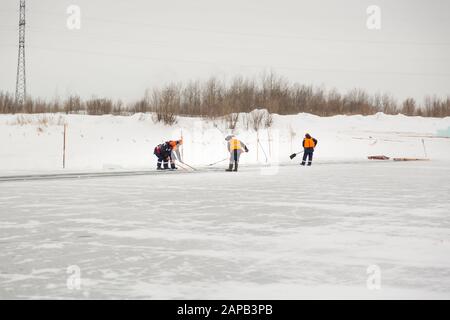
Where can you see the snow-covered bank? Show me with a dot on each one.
(35, 142)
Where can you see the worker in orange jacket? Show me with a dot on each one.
(309, 143)
(168, 151)
(235, 147)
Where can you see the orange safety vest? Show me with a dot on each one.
(309, 143)
(173, 144)
(235, 144)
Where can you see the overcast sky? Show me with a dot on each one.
(126, 46)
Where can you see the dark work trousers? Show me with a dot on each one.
(308, 153)
(163, 158)
(235, 155)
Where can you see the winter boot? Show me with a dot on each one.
(166, 166)
(235, 166)
(309, 163)
(230, 167)
(303, 163)
(158, 166)
(172, 166)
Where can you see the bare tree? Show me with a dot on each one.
(388, 103)
(409, 107)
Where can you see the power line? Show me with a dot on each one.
(248, 34)
(162, 44)
(187, 61)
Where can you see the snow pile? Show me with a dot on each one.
(35, 142)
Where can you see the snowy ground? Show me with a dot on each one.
(298, 233)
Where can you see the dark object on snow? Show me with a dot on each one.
(292, 156)
(378, 158)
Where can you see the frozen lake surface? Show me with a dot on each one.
(299, 233)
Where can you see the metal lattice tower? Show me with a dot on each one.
(21, 90)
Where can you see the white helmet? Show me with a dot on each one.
(228, 138)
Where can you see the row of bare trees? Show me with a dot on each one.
(73, 104)
(215, 98)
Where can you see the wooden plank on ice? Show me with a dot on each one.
(410, 159)
(378, 158)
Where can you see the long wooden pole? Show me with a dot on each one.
(182, 148)
(64, 146)
(424, 149)
(257, 146)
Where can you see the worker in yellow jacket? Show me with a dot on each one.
(235, 147)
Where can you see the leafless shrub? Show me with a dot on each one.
(118, 108)
(388, 104)
(7, 104)
(246, 121)
(435, 107)
(334, 103)
(268, 120)
(21, 120)
(256, 119)
(357, 101)
(191, 99)
(99, 106)
(232, 120)
(165, 104)
(213, 97)
(43, 120)
(73, 104)
(409, 107)
(142, 106)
